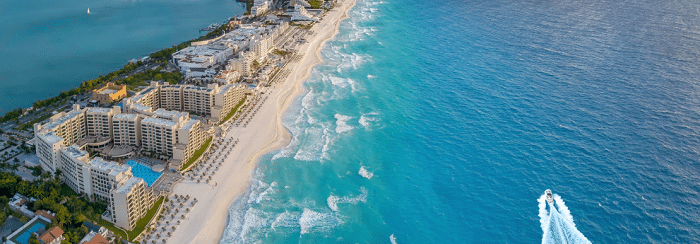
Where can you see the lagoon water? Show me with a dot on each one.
(47, 47)
(445, 121)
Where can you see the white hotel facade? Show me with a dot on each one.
(143, 124)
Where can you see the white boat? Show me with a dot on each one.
(88, 10)
(548, 194)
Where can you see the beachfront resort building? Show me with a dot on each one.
(130, 202)
(241, 47)
(62, 129)
(98, 124)
(127, 129)
(109, 93)
(212, 102)
(128, 197)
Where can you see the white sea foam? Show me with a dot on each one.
(333, 201)
(364, 173)
(286, 220)
(264, 195)
(254, 219)
(341, 123)
(369, 120)
(392, 239)
(311, 149)
(317, 221)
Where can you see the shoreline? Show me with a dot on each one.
(208, 219)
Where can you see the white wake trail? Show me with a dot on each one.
(557, 223)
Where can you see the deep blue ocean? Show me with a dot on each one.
(445, 121)
(47, 47)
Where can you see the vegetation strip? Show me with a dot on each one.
(197, 154)
(233, 111)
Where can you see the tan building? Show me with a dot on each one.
(171, 97)
(128, 197)
(158, 135)
(225, 99)
(190, 137)
(127, 129)
(130, 202)
(212, 102)
(109, 93)
(98, 123)
(95, 177)
(198, 99)
(61, 130)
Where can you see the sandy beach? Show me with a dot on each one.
(265, 132)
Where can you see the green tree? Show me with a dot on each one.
(33, 239)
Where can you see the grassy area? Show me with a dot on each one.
(233, 111)
(197, 154)
(315, 4)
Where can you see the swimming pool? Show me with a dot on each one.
(24, 237)
(144, 172)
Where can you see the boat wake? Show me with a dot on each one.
(557, 223)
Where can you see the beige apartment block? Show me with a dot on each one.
(225, 99)
(130, 202)
(158, 135)
(62, 129)
(191, 136)
(127, 129)
(171, 97)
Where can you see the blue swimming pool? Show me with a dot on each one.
(144, 172)
(24, 237)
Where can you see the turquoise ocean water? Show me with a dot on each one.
(47, 47)
(445, 121)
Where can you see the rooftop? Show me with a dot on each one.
(51, 234)
(59, 120)
(158, 121)
(107, 91)
(112, 168)
(129, 185)
(188, 125)
(125, 116)
(99, 110)
(50, 137)
(75, 152)
(170, 114)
